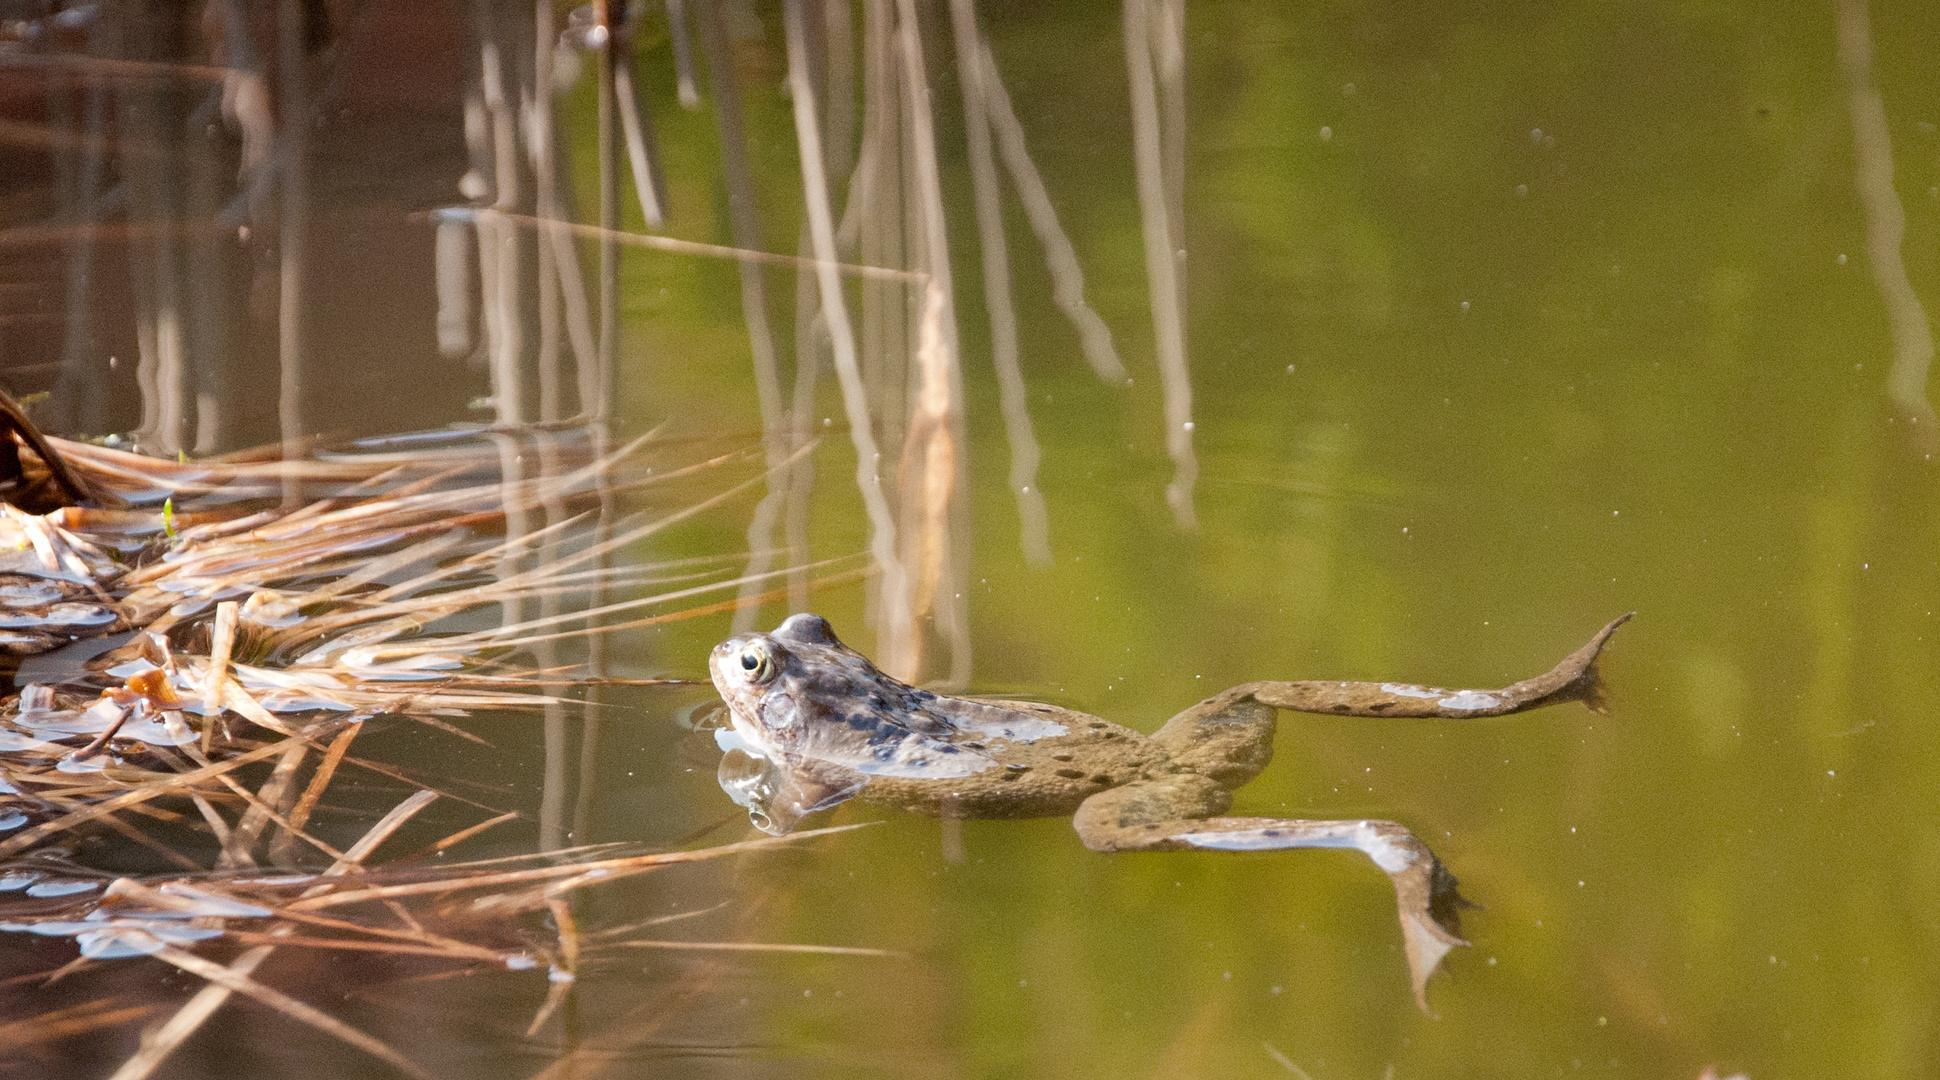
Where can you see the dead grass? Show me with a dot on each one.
(198, 661)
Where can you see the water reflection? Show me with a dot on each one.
(901, 378)
(176, 298)
(1502, 338)
(1155, 56)
(1912, 334)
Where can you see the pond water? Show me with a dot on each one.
(1493, 322)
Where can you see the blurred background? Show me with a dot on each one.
(1144, 348)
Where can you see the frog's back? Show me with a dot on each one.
(1044, 777)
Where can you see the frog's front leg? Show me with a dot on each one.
(1176, 813)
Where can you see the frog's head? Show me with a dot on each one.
(780, 690)
(775, 684)
(814, 720)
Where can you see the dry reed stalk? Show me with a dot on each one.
(1163, 249)
(153, 790)
(462, 835)
(240, 983)
(677, 246)
(1034, 528)
(896, 630)
(395, 511)
(358, 539)
(590, 1057)
(1060, 258)
(610, 870)
(260, 810)
(759, 946)
(160, 1043)
(17, 1036)
(929, 467)
(232, 898)
(326, 771)
(250, 827)
(565, 972)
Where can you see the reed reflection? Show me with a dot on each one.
(1154, 55)
(900, 376)
(907, 356)
(232, 243)
(1906, 320)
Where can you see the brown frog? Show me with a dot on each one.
(815, 724)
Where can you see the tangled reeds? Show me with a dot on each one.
(196, 655)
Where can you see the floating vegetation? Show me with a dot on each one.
(143, 653)
(197, 652)
(346, 908)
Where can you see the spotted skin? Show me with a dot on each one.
(814, 724)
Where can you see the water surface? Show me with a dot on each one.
(1500, 322)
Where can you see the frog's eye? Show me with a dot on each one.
(758, 663)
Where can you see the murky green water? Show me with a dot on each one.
(1501, 322)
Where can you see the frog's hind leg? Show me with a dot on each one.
(1573, 679)
(1175, 813)
(1229, 736)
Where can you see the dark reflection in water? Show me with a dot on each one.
(147, 250)
(1496, 322)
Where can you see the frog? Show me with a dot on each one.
(812, 723)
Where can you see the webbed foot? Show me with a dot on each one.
(1431, 919)
(1130, 819)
